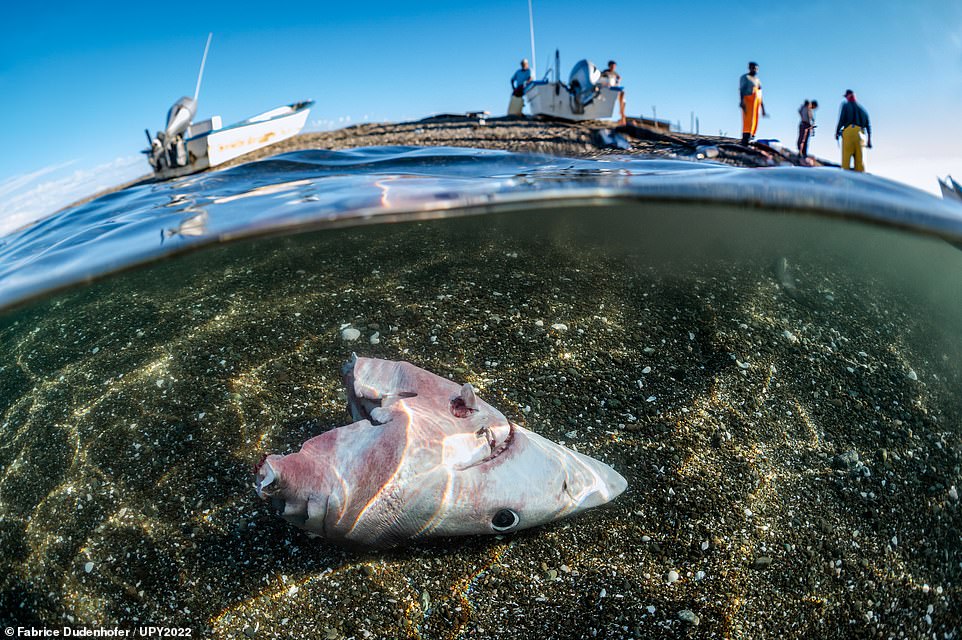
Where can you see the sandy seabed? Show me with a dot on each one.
(788, 421)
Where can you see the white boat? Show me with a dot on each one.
(951, 190)
(206, 144)
(185, 147)
(585, 97)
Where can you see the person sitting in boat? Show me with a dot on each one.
(520, 80)
(611, 76)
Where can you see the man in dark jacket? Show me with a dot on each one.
(852, 120)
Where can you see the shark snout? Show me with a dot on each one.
(593, 483)
(609, 485)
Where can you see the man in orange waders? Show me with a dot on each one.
(852, 120)
(750, 96)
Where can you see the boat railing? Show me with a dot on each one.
(273, 113)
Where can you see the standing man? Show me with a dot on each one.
(852, 119)
(613, 79)
(750, 101)
(519, 81)
(806, 126)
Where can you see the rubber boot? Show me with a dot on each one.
(745, 138)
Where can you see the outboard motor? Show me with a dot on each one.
(180, 116)
(168, 148)
(583, 84)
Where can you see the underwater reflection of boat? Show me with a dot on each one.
(192, 226)
(951, 190)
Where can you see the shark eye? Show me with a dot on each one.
(505, 519)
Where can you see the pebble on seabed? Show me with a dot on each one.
(689, 616)
(350, 334)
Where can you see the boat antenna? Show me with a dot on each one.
(534, 58)
(203, 61)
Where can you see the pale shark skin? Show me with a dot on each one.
(427, 458)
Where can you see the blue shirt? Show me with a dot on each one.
(520, 78)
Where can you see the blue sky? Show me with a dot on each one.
(80, 81)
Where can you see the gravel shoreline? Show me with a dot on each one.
(525, 135)
(529, 135)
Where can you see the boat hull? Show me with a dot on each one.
(218, 146)
(553, 99)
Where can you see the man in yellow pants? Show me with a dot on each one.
(750, 101)
(852, 120)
